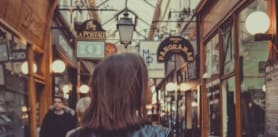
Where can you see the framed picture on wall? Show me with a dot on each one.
(4, 56)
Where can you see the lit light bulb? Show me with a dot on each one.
(24, 68)
(66, 88)
(84, 89)
(257, 22)
(171, 86)
(58, 66)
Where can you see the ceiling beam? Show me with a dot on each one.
(157, 16)
(149, 3)
(102, 3)
(93, 14)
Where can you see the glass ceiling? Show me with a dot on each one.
(160, 17)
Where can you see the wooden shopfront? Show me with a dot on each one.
(27, 25)
(232, 68)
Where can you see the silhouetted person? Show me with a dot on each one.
(119, 96)
(57, 121)
(253, 117)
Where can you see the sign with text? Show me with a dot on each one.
(90, 30)
(19, 55)
(175, 45)
(63, 45)
(271, 107)
(148, 50)
(89, 49)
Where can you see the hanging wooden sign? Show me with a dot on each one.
(90, 30)
(175, 45)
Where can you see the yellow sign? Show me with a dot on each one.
(175, 45)
(175, 48)
(96, 35)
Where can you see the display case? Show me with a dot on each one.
(6, 124)
(14, 114)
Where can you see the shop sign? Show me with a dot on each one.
(90, 30)
(67, 49)
(19, 55)
(175, 45)
(148, 50)
(63, 45)
(90, 49)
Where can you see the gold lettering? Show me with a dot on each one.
(189, 56)
(160, 58)
(173, 46)
(99, 35)
(166, 49)
(185, 49)
(170, 46)
(162, 54)
(92, 35)
(80, 35)
(87, 34)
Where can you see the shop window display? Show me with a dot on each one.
(14, 114)
(195, 103)
(228, 107)
(252, 54)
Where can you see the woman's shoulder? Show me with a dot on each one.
(153, 131)
(80, 132)
(143, 131)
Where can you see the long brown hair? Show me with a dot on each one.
(119, 89)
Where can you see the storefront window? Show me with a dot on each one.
(14, 114)
(195, 102)
(253, 56)
(228, 107)
(212, 56)
(228, 49)
(213, 95)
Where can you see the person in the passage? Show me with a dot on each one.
(81, 107)
(119, 96)
(57, 121)
(253, 117)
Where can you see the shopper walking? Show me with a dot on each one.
(57, 121)
(81, 107)
(119, 95)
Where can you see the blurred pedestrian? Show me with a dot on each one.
(81, 107)
(57, 121)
